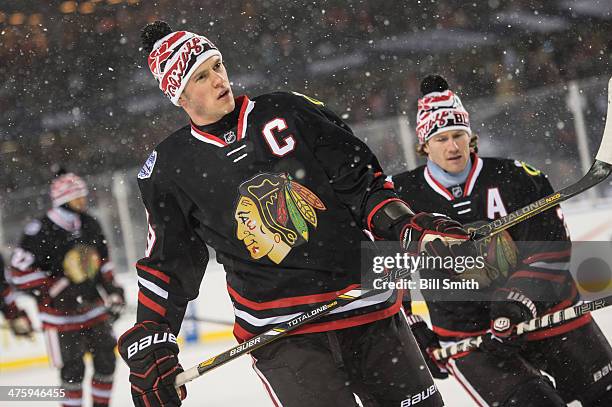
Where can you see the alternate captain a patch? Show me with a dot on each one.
(273, 213)
(147, 168)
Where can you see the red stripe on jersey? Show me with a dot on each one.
(152, 305)
(242, 334)
(289, 301)
(376, 208)
(539, 276)
(567, 302)
(469, 185)
(547, 256)
(34, 283)
(159, 274)
(207, 135)
(352, 321)
(456, 334)
(245, 102)
(561, 329)
(101, 400)
(19, 273)
(443, 190)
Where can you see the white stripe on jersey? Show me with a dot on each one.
(71, 319)
(376, 299)
(153, 287)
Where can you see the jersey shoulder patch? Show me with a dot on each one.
(534, 172)
(310, 99)
(32, 228)
(147, 168)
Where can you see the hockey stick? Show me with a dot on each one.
(535, 324)
(601, 169)
(270, 335)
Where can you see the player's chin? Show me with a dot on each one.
(456, 165)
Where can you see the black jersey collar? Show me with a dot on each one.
(469, 183)
(221, 133)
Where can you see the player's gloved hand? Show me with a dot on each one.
(428, 342)
(436, 234)
(19, 322)
(151, 352)
(508, 308)
(115, 301)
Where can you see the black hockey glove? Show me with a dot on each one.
(437, 235)
(114, 301)
(151, 352)
(508, 308)
(428, 342)
(18, 321)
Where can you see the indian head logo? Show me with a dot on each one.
(273, 215)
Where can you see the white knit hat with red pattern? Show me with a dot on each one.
(175, 56)
(67, 187)
(439, 110)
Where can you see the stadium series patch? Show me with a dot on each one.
(147, 168)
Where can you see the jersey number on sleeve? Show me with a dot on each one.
(150, 236)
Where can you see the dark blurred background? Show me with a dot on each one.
(75, 88)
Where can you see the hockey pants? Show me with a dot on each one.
(380, 362)
(67, 350)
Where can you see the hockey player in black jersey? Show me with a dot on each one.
(283, 191)
(63, 261)
(505, 371)
(17, 319)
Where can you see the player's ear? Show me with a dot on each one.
(426, 147)
(182, 101)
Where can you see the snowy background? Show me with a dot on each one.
(24, 362)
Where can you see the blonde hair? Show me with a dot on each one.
(420, 148)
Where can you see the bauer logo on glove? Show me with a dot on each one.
(147, 341)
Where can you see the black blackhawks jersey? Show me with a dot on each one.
(7, 296)
(61, 259)
(282, 190)
(494, 188)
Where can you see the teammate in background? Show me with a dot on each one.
(469, 188)
(282, 190)
(17, 319)
(63, 261)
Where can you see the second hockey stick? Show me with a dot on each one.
(535, 324)
(600, 170)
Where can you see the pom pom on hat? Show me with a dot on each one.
(174, 56)
(439, 110)
(154, 32)
(433, 83)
